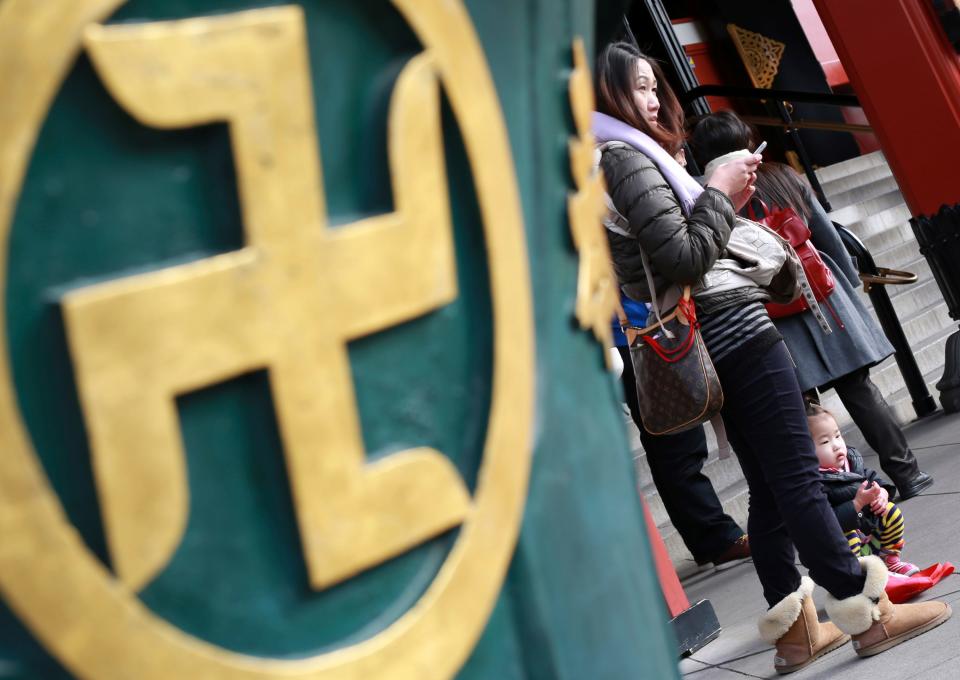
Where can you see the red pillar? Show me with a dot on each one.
(907, 77)
(693, 626)
(673, 594)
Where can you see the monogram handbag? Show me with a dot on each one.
(787, 223)
(677, 385)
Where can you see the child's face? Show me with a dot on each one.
(831, 449)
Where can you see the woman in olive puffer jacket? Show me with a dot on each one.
(683, 230)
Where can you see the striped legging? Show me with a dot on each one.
(889, 536)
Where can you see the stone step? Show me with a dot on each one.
(850, 167)
(864, 192)
(929, 357)
(879, 222)
(889, 237)
(902, 404)
(838, 186)
(926, 323)
(914, 298)
(864, 210)
(915, 318)
(899, 255)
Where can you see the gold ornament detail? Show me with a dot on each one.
(127, 335)
(598, 298)
(761, 55)
(136, 341)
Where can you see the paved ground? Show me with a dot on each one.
(933, 535)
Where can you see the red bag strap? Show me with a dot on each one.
(671, 356)
(686, 310)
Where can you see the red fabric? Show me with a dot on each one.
(789, 224)
(673, 594)
(902, 588)
(689, 312)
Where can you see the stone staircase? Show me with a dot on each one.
(866, 199)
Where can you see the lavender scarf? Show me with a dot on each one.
(609, 129)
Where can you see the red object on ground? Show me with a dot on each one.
(902, 588)
(673, 594)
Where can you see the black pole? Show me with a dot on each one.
(794, 135)
(939, 239)
(923, 403)
(692, 167)
(676, 54)
(629, 32)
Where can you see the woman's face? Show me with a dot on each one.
(645, 91)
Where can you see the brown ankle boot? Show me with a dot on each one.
(793, 628)
(877, 624)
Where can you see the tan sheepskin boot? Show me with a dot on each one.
(793, 628)
(877, 624)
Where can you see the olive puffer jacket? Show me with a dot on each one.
(841, 488)
(681, 249)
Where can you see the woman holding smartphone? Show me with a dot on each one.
(841, 360)
(683, 230)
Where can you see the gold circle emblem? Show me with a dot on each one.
(91, 620)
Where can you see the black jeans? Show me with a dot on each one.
(764, 415)
(676, 463)
(872, 414)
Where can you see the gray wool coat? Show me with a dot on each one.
(822, 358)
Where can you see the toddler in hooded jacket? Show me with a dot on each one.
(859, 496)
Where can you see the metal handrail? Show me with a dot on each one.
(830, 98)
(875, 280)
(887, 277)
(781, 98)
(765, 121)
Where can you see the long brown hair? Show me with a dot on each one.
(614, 77)
(779, 185)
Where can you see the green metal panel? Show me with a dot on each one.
(105, 196)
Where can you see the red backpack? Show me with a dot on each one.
(789, 224)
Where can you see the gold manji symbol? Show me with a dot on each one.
(140, 341)
(288, 301)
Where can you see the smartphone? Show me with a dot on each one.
(763, 145)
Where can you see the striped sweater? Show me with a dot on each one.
(736, 329)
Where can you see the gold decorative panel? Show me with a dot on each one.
(761, 55)
(137, 342)
(598, 297)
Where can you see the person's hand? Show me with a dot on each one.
(741, 198)
(736, 178)
(879, 504)
(866, 494)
